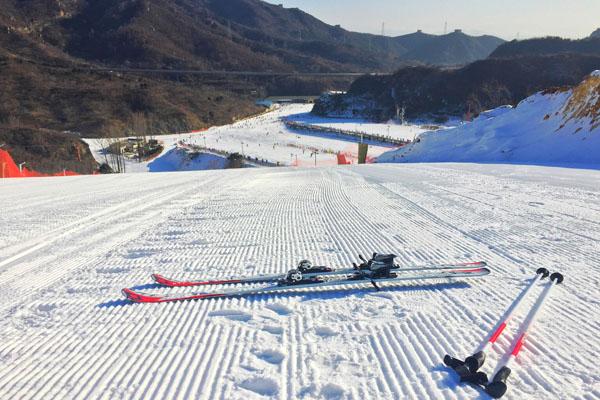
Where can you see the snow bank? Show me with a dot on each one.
(552, 127)
(179, 159)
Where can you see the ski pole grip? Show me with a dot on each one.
(557, 277)
(475, 361)
(543, 271)
(497, 388)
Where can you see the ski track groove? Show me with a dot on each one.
(227, 391)
(78, 259)
(392, 390)
(419, 355)
(167, 360)
(209, 227)
(178, 377)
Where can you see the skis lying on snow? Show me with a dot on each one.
(468, 370)
(379, 269)
(309, 271)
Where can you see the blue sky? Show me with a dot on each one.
(508, 19)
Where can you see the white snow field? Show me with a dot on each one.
(69, 245)
(266, 137)
(554, 127)
(391, 129)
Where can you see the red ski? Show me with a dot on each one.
(308, 271)
(161, 280)
(358, 278)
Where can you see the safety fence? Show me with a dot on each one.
(356, 135)
(9, 169)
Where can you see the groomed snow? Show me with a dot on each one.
(68, 245)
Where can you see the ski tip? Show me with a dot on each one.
(139, 297)
(161, 280)
(473, 270)
(472, 264)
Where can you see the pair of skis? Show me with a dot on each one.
(380, 268)
(468, 370)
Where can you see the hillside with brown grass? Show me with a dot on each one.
(50, 52)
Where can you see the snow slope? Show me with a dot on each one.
(391, 129)
(266, 137)
(177, 159)
(66, 252)
(549, 128)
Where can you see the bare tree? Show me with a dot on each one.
(113, 149)
(139, 127)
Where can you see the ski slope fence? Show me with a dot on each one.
(9, 169)
(356, 135)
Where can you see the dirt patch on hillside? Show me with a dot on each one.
(584, 103)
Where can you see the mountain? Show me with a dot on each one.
(596, 33)
(51, 50)
(435, 92)
(455, 48)
(225, 35)
(547, 46)
(557, 126)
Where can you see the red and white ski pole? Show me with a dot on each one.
(497, 387)
(467, 370)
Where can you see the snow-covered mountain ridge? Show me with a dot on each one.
(555, 126)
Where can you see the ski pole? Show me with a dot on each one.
(497, 387)
(467, 369)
